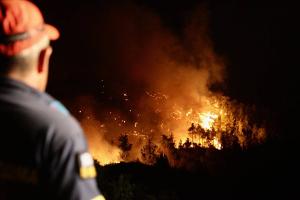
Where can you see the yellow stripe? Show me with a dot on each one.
(88, 172)
(99, 197)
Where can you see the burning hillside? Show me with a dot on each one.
(160, 85)
(218, 123)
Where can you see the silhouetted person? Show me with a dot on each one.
(43, 151)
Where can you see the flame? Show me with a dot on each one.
(107, 153)
(207, 120)
(106, 156)
(216, 143)
(202, 124)
(215, 117)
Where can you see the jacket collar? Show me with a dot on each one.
(10, 84)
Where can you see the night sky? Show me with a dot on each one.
(252, 37)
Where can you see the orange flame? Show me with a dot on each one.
(207, 120)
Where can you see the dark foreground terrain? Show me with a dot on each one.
(262, 172)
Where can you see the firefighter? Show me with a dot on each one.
(43, 151)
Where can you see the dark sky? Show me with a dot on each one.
(253, 38)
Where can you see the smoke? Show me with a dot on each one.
(101, 147)
(152, 78)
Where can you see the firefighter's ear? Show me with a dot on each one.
(44, 58)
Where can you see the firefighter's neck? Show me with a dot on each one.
(32, 79)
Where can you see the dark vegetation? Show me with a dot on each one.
(260, 172)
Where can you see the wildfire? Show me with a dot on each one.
(217, 117)
(205, 125)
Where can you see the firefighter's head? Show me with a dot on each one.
(25, 43)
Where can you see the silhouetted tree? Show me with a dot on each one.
(149, 152)
(180, 145)
(229, 140)
(162, 161)
(192, 131)
(168, 142)
(187, 143)
(201, 133)
(125, 146)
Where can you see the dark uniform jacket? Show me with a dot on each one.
(43, 152)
